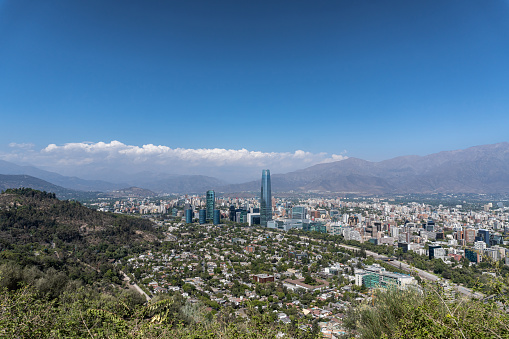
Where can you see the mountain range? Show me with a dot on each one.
(72, 183)
(19, 181)
(478, 169)
(159, 183)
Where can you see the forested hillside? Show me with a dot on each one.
(30, 216)
(43, 238)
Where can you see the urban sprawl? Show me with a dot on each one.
(308, 259)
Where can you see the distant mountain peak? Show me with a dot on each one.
(478, 169)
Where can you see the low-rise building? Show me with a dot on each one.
(262, 278)
(375, 276)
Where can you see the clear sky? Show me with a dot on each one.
(367, 79)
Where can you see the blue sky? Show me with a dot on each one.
(366, 79)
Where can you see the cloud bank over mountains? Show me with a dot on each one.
(116, 161)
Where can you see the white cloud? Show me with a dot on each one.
(88, 159)
(335, 157)
(22, 145)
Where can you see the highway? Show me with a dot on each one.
(404, 266)
(421, 273)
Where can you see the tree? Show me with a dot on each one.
(309, 280)
(410, 314)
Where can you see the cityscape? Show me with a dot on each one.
(284, 243)
(242, 170)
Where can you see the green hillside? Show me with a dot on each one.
(41, 233)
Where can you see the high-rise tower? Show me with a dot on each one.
(265, 199)
(211, 202)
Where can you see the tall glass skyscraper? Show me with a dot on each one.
(211, 202)
(265, 199)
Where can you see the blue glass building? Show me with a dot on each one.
(485, 236)
(299, 212)
(217, 217)
(211, 204)
(203, 216)
(189, 216)
(265, 199)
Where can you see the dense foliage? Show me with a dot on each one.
(428, 314)
(50, 243)
(30, 216)
(84, 313)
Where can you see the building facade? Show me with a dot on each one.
(265, 199)
(299, 212)
(189, 216)
(232, 213)
(262, 278)
(217, 217)
(375, 276)
(211, 204)
(203, 216)
(484, 235)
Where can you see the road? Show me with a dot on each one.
(404, 266)
(421, 273)
(136, 287)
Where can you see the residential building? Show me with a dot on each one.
(262, 278)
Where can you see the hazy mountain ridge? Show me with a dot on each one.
(478, 169)
(156, 182)
(19, 181)
(72, 183)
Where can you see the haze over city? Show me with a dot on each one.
(229, 88)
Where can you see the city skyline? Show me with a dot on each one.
(366, 80)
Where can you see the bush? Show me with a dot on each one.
(428, 314)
